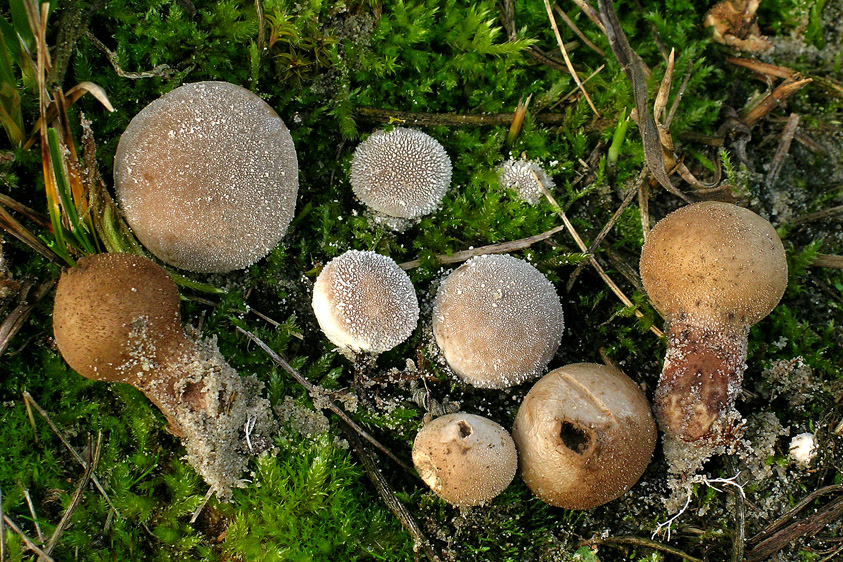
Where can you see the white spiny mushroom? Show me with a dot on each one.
(402, 173)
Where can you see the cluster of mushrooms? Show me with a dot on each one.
(584, 433)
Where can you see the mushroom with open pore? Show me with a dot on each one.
(497, 320)
(713, 270)
(465, 459)
(116, 319)
(585, 434)
(207, 177)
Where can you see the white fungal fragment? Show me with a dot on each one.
(518, 175)
(803, 448)
(497, 320)
(207, 177)
(364, 302)
(401, 173)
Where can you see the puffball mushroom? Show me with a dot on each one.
(713, 270)
(207, 177)
(585, 435)
(465, 459)
(116, 319)
(497, 320)
(364, 302)
(401, 173)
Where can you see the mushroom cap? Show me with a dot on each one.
(517, 174)
(497, 320)
(401, 173)
(115, 316)
(465, 459)
(364, 302)
(207, 177)
(715, 262)
(585, 435)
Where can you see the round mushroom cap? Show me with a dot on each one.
(207, 177)
(497, 320)
(401, 173)
(714, 262)
(517, 174)
(364, 302)
(465, 459)
(585, 435)
(116, 315)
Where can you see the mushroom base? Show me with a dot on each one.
(695, 399)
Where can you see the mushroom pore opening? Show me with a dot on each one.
(465, 430)
(574, 437)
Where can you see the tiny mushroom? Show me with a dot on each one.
(497, 320)
(207, 177)
(465, 459)
(116, 319)
(517, 174)
(713, 270)
(401, 173)
(585, 434)
(365, 303)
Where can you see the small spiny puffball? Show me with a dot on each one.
(716, 263)
(517, 174)
(365, 302)
(401, 173)
(465, 459)
(585, 435)
(497, 320)
(207, 177)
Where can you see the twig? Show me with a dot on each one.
(828, 260)
(594, 263)
(388, 495)
(784, 147)
(785, 519)
(831, 212)
(567, 59)
(740, 514)
(17, 317)
(93, 461)
(592, 14)
(30, 401)
(162, 70)
(322, 399)
(605, 230)
(787, 88)
(27, 541)
(34, 515)
(501, 248)
(202, 505)
(2, 531)
(627, 58)
(806, 526)
(639, 541)
(570, 23)
(644, 208)
(377, 115)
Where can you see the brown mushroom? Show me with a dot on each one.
(497, 320)
(713, 270)
(585, 434)
(465, 459)
(116, 319)
(364, 302)
(207, 177)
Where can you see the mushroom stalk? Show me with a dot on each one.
(116, 319)
(701, 378)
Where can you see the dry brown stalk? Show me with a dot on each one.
(502, 248)
(570, 23)
(567, 59)
(783, 148)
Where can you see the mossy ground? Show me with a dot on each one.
(325, 60)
